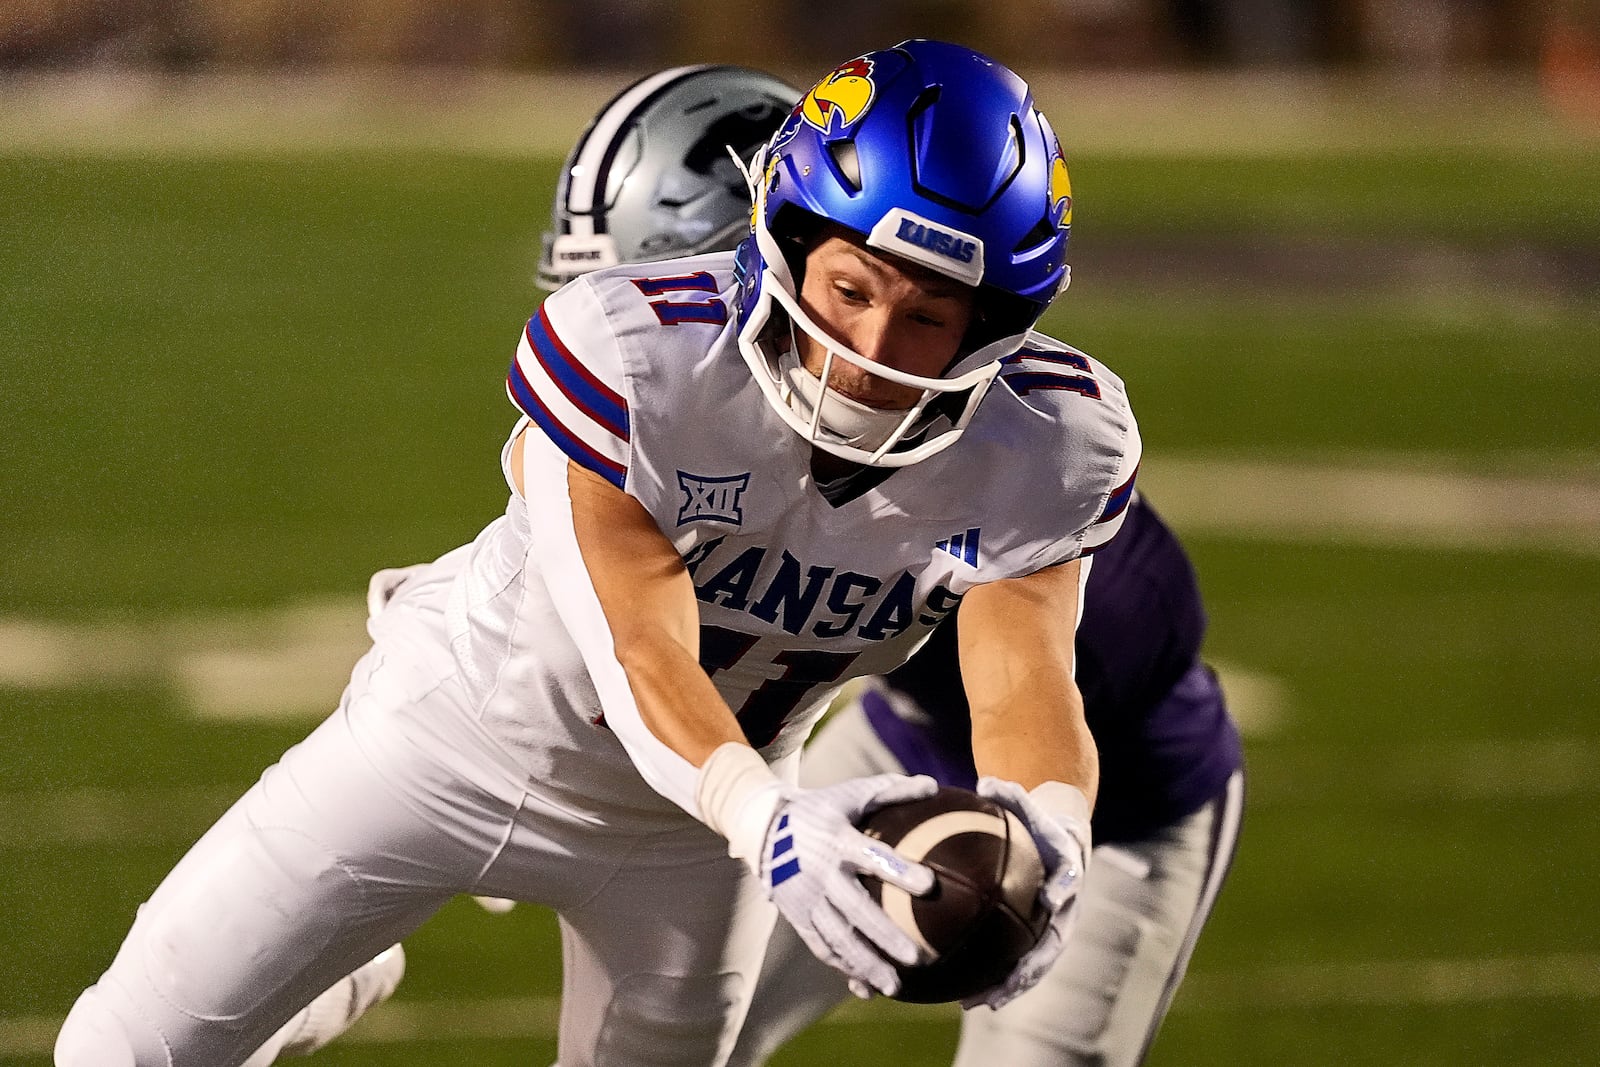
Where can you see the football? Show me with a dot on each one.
(983, 913)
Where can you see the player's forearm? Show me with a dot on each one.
(1034, 732)
(675, 697)
(1016, 663)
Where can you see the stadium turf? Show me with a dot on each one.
(234, 383)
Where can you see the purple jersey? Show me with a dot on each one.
(1166, 742)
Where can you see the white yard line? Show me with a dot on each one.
(291, 662)
(294, 661)
(1354, 983)
(1258, 702)
(110, 817)
(28, 1035)
(1571, 976)
(1434, 772)
(1498, 769)
(1376, 503)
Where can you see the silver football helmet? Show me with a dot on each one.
(651, 178)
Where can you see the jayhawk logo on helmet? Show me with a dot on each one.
(1060, 191)
(840, 98)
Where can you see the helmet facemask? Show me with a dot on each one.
(826, 418)
(838, 424)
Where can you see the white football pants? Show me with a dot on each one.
(1139, 914)
(362, 831)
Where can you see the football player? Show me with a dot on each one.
(1170, 793)
(734, 485)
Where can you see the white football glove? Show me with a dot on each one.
(1057, 816)
(810, 860)
(804, 847)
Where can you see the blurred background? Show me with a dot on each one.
(263, 264)
(183, 35)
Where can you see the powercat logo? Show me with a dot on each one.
(838, 100)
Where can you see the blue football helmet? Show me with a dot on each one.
(934, 154)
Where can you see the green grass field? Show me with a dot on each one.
(232, 384)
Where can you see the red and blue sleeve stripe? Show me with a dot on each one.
(1023, 382)
(1117, 502)
(578, 450)
(1116, 505)
(586, 392)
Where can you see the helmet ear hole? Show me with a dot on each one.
(796, 230)
(847, 161)
(1043, 230)
(995, 315)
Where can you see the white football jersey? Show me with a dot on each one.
(635, 373)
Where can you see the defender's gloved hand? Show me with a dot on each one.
(804, 847)
(1057, 816)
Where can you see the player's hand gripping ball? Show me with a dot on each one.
(984, 911)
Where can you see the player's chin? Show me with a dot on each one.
(878, 400)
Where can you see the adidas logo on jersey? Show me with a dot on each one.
(963, 546)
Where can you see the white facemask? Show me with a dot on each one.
(845, 427)
(856, 424)
(828, 420)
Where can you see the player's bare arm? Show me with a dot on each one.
(1016, 639)
(648, 601)
(1030, 743)
(649, 604)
